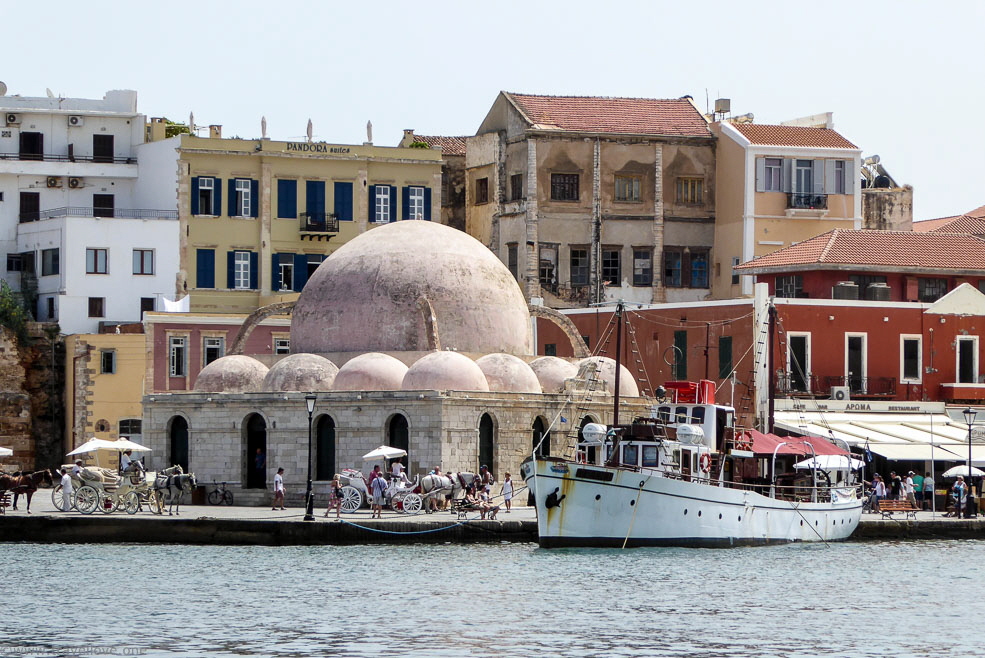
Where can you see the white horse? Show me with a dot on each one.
(439, 489)
(176, 485)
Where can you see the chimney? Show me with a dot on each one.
(215, 131)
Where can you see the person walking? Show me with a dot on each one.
(486, 478)
(908, 490)
(507, 492)
(895, 486)
(279, 489)
(335, 498)
(378, 489)
(66, 491)
(958, 492)
(917, 489)
(928, 491)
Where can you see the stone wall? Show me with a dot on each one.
(889, 209)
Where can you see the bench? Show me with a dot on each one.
(888, 507)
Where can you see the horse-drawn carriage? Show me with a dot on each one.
(426, 493)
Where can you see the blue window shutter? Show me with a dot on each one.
(372, 203)
(275, 273)
(393, 202)
(343, 201)
(300, 271)
(217, 196)
(406, 200)
(254, 198)
(315, 199)
(233, 210)
(287, 199)
(427, 203)
(254, 270)
(194, 195)
(205, 268)
(230, 269)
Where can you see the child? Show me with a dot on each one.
(507, 492)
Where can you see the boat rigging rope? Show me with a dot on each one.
(636, 508)
(796, 507)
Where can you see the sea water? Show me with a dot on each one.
(852, 599)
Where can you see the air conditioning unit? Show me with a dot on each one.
(13, 119)
(841, 393)
(75, 183)
(54, 181)
(75, 121)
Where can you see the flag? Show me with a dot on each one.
(868, 453)
(563, 419)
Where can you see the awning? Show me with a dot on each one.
(765, 444)
(913, 452)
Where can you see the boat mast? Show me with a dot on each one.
(615, 410)
(769, 368)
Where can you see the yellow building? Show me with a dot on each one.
(779, 185)
(258, 216)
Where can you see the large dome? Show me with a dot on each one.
(607, 374)
(508, 373)
(370, 372)
(301, 372)
(552, 371)
(445, 371)
(375, 291)
(231, 374)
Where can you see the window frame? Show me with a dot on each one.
(135, 427)
(282, 346)
(513, 259)
(241, 270)
(690, 190)
(903, 340)
(219, 343)
(97, 260)
(481, 190)
(840, 168)
(772, 174)
(688, 274)
(565, 187)
(244, 190)
(51, 261)
(781, 287)
(642, 277)
(286, 267)
(634, 192)
(382, 212)
(606, 266)
(415, 202)
(924, 287)
(516, 187)
(178, 356)
(140, 265)
(97, 307)
(579, 275)
(210, 188)
(107, 362)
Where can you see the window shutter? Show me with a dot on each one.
(254, 270)
(254, 198)
(786, 176)
(829, 177)
(230, 269)
(343, 201)
(300, 271)
(393, 202)
(232, 198)
(818, 176)
(205, 268)
(406, 200)
(760, 174)
(427, 203)
(275, 273)
(287, 199)
(194, 195)
(217, 196)
(850, 176)
(372, 203)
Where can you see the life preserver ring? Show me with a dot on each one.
(743, 441)
(704, 462)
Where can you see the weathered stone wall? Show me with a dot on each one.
(888, 209)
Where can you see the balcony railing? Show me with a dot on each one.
(807, 201)
(319, 222)
(868, 386)
(54, 157)
(81, 211)
(796, 386)
(790, 385)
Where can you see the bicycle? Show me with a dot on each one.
(220, 495)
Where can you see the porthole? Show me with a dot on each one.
(740, 518)
(598, 496)
(685, 512)
(815, 523)
(699, 512)
(632, 502)
(801, 522)
(719, 517)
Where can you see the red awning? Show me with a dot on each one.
(764, 444)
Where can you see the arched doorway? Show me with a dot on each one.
(486, 432)
(178, 435)
(398, 436)
(256, 452)
(325, 448)
(539, 430)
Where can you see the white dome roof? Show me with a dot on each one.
(235, 373)
(301, 372)
(607, 373)
(443, 371)
(552, 371)
(508, 373)
(372, 371)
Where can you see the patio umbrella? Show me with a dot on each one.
(830, 463)
(93, 445)
(955, 471)
(385, 452)
(6, 452)
(126, 444)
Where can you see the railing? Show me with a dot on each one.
(881, 386)
(81, 211)
(53, 157)
(807, 201)
(319, 222)
(788, 384)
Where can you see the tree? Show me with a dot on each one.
(12, 313)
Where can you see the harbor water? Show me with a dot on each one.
(852, 599)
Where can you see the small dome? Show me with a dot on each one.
(231, 374)
(444, 371)
(607, 373)
(508, 373)
(372, 371)
(552, 371)
(301, 372)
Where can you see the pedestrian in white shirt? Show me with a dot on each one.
(66, 491)
(279, 489)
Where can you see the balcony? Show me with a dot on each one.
(797, 386)
(864, 387)
(319, 225)
(82, 211)
(797, 201)
(70, 157)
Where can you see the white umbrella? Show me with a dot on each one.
(6, 452)
(93, 445)
(385, 452)
(126, 444)
(955, 471)
(830, 463)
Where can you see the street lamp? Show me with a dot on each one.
(309, 498)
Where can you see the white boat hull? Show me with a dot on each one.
(599, 506)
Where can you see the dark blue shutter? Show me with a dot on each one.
(230, 269)
(393, 202)
(287, 199)
(254, 270)
(315, 199)
(254, 198)
(427, 203)
(300, 271)
(406, 200)
(275, 273)
(372, 203)
(205, 268)
(343, 201)
(233, 210)
(194, 195)
(217, 197)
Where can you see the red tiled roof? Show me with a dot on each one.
(628, 116)
(767, 135)
(448, 145)
(962, 224)
(928, 225)
(887, 249)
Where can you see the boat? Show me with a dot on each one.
(667, 480)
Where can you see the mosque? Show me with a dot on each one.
(412, 335)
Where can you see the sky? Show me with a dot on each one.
(903, 79)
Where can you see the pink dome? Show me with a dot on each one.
(301, 372)
(552, 371)
(231, 374)
(445, 371)
(509, 374)
(372, 371)
(607, 373)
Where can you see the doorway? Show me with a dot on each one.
(539, 431)
(967, 359)
(398, 436)
(325, 448)
(103, 205)
(486, 433)
(855, 363)
(798, 361)
(178, 435)
(256, 452)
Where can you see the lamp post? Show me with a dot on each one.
(309, 498)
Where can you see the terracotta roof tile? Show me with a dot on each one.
(769, 135)
(928, 225)
(962, 224)
(628, 116)
(448, 145)
(868, 249)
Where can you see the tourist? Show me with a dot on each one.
(279, 489)
(880, 490)
(486, 479)
(66, 491)
(259, 464)
(895, 486)
(908, 490)
(958, 492)
(378, 489)
(375, 473)
(77, 469)
(507, 492)
(125, 461)
(397, 470)
(917, 488)
(335, 498)
(928, 491)
(16, 475)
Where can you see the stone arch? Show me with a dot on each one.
(325, 449)
(540, 429)
(487, 441)
(566, 325)
(255, 318)
(178, 442)
(398, 435)
(254, 444)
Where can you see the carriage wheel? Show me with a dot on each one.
(57, 499)
(108, 503)
(412, 503)
(131, 502)
(154, 503)
(352, 499)
(86, 499)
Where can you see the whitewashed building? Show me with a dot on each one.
(81, 238)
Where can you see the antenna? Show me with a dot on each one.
(48, 91)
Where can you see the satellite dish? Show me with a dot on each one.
(3, 89)
(48, 91)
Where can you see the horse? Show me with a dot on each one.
(25, 484)
(451, 485)
(176, 485)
